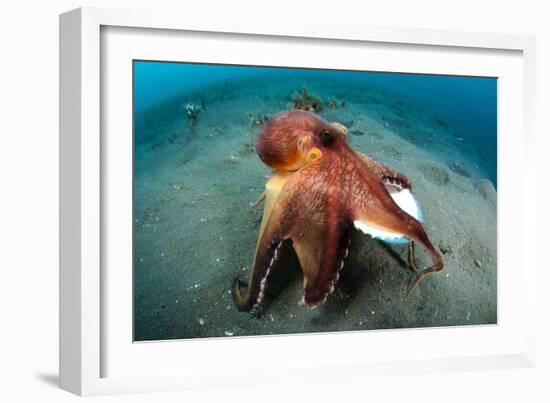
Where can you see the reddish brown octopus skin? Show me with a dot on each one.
(277, 142)
(319, 203)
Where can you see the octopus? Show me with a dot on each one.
(319, 190)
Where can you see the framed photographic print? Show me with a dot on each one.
(233, 193)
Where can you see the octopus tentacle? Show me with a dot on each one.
(274, 226)
(387, 175)
(318, 227)
(320, 286)
(412, 256)
(374, 205)
(437, 264)
(258, 280)
(321, 233)
(380, 211)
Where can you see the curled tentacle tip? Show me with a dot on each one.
(408, 292)
(311, 307)
(236, 290)
(412, 286)
(240, 302)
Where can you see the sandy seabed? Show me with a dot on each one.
(194, 184)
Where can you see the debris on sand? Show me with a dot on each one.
(435, 173)
(445, 248)
(192, 112)
(459, 169)
(307, 102)
(484, 188)
(257, 119)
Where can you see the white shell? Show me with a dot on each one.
(406, 201)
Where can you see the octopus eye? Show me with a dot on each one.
(327, 138)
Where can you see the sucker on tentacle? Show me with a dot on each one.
(340, 265)
(254, 297)
(332, 284)
(394, 182)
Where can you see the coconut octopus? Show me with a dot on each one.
(319, 190)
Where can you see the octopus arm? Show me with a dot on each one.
(375, 210)
(273, 232)
(318, 229)
(321, 250)
(388, 176)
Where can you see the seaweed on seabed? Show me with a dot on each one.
(333, 103)
(192, 111)
(306, 101)
(256, 120)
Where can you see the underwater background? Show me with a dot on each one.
(196, 175)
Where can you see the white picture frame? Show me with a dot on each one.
(83, 310)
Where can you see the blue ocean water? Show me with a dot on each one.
(469, 104)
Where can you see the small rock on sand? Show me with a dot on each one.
(445, 248)
(435, 173)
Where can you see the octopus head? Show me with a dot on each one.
(290, 140)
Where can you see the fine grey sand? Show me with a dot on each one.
(194, 184)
